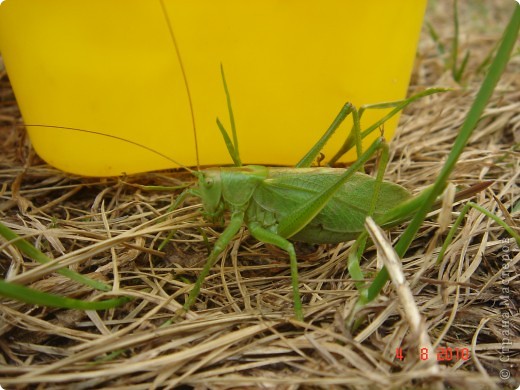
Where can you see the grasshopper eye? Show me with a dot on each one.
(208, 182)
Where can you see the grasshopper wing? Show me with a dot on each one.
(342, 218)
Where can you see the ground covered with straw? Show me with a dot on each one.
(241, 332)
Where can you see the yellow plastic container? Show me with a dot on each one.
(111, 66)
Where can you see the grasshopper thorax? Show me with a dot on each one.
(228, 188)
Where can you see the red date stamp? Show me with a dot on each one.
(441, 354)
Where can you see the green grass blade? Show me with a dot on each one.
(38, 256)
(451, 233)
(455, 43)
(460, 71)
(435, 37)
(484, 94)
(236, 154)
(229, 144)
(457, 71)
(500, 222)
(461, 216)
(35, 297)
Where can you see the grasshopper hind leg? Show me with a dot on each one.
(266, 236)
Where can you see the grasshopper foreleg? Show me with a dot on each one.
(266, 236)
(237, 219)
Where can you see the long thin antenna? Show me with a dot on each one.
(190, 102)
(196, 173)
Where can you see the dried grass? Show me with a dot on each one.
(240, 333)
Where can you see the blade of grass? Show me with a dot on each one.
(35, 297)
(435, 37)
(461, 216)
(38, 256)
(484, 94)
(236, 154)
(455, 43)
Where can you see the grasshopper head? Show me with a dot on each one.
(210, 192)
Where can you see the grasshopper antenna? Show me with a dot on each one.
(195, 173)
(185, 78)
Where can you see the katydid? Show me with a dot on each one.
(311, 205)
(314, 205)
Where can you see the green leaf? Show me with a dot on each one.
(35, 297)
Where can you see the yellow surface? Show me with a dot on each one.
(110, 66)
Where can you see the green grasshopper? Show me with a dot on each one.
(313, 205)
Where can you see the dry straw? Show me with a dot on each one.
(240, 333)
